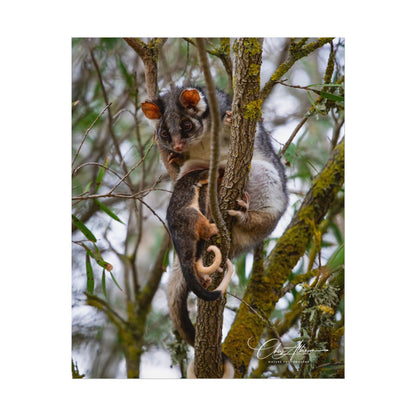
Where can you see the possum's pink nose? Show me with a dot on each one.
(178, 144)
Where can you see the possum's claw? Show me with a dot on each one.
(244, 203)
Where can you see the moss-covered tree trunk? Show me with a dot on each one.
(263, 289)
(246, 110)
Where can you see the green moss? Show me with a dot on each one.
(306, 213)
(225, 46)
(283, 68)
(329, 179)
(154, 46)
(253, 46)
(254, 69)
(252, 110)
(263, 289)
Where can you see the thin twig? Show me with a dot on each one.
(96, 164)
(293, 135)
(307, 88)
(215, 147)
(102, 305)
(86, 133)
(131, 169)
(110, 118)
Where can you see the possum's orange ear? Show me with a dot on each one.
(189, 98)
(151, 110)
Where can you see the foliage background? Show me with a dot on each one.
(130, 235)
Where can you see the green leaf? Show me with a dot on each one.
(166, 259)
(98, 258)
(115, 281)
(101, 173)
(87, 187)
(103, 284)
(328, 95)
(290, 153)
(90, 275)
(337, 259)
(331, 97)
(126, 74)
(84, 229)
(320, 108)
(108, 211)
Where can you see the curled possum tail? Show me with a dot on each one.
(202, 270)
(197, 279)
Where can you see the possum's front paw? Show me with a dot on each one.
(241, 215)
(228, 118)
(176, 158)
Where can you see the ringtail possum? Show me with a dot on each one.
(182, 122)
(181, 119)
(188, 226)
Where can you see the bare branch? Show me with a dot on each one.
(96, 164)
(103, 306)
(110, 118)
(293, 135)
(215, 147)
(86, 133)
(149, 54)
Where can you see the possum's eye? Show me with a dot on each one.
(186, 125)
(164, 134)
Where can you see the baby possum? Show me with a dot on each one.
(188, 226)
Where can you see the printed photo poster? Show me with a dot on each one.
(208, 208)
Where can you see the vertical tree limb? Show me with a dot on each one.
(149, 53)
(210, 314)
(246, 111)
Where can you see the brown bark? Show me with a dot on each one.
(246, 112)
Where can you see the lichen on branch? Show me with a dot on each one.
(263, 291)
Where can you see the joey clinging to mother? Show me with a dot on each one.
(182, 122)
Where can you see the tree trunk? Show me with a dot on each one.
(246, 110)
